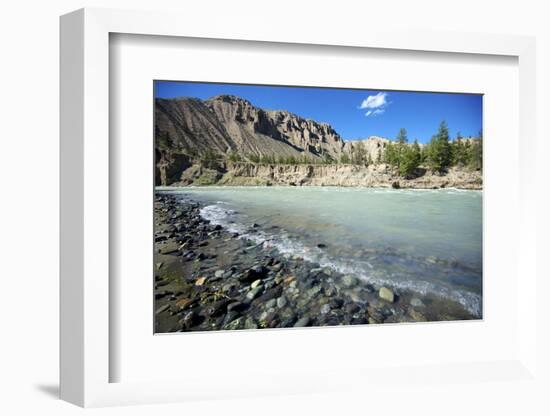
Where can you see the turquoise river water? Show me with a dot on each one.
(423, 240)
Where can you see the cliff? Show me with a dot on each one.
(228, 124)
(249, 174)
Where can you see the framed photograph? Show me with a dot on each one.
(265, 218)
(351, 193)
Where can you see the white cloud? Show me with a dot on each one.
(374, 101)
(376, 104)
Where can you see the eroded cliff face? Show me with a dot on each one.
(169, 167)
(228, 124)
(248, 174)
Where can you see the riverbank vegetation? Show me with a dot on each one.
(407, 159)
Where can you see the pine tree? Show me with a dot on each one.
(439, 151)
(390, 154)
(410, 159)
(476, 153)
(401, 141)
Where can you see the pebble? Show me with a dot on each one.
(281, 302)
(183, 303)
(249, 323)
(349, 281)
(417, 303)
(254, 293)
(386, 294)
(219, 273)
(169, 248)
(417, 316)
(162, 308)
(255, 283)
(304, 321)
(325, 309)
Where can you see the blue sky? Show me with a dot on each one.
(355, 113)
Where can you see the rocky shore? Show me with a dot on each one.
(207, 278)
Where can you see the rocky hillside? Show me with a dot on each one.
(374, 146)
(229, 124)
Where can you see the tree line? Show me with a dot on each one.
(438, 155)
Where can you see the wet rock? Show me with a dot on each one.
(216, 309)
(351, 308)
(281, 302)
(313, 292)
(375, 315)
(183, 303)
(161, 294)
(325, 309)
(386, 294)
(271, 303)
(162, 309)
(349, 280)
(417, 303)
(417, 316)
(188, 320)
(254, 293)
(271, 294)
(250, 324)
(237, 306)
(269, 320)
(170, 247)
(229, 273)
(336, 303)
(229, 317)
(255, 283)
(254, 273)
(304, 321)
(288, 280)
(235, 324)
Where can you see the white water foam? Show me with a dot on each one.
(287, 246)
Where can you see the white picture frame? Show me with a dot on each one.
(85, 210)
